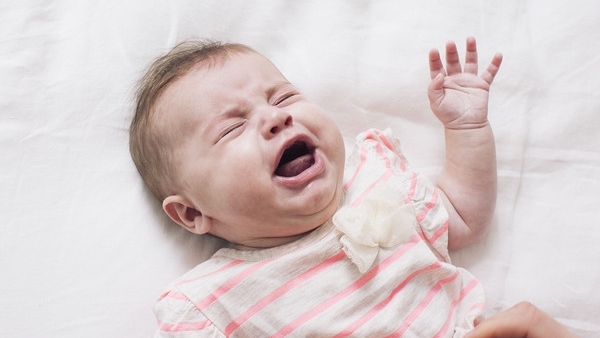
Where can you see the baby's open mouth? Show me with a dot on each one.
(295, 159)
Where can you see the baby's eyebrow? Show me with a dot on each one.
(276, 87)
(214, 121)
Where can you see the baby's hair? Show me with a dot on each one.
(152, 148)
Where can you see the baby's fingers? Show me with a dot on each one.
(452, 59)
(435, 64)
(492, 69)
(471, 56)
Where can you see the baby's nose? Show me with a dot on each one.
(276, 121)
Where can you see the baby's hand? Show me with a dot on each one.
(459, 98)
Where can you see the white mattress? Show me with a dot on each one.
(85, 250)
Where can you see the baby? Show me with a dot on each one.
(320, 245)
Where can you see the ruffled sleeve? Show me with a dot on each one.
(387, 202)
(178, 317)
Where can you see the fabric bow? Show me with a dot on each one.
(381, 220)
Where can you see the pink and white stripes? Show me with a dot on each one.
(311, 287)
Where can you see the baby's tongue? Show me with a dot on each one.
(295, 166)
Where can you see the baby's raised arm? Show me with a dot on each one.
(459, 99)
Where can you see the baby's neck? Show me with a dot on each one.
(307, 237)
(272, 242)
(267, 243)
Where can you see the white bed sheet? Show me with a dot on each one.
(84, 248)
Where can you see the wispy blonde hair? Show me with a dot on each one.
(151, 147)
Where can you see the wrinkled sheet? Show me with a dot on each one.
(85, 250)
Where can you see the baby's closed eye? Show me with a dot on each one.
(232, 127)
(285, 98)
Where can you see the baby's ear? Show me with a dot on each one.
(183, 212)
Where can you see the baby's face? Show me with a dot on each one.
(257, 158)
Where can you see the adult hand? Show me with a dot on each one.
(523, 320)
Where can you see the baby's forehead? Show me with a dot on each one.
(219, 60)
(210, 86)
(246, 68)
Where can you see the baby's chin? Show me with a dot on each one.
(333, 206)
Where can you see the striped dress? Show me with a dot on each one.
(379, 268)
